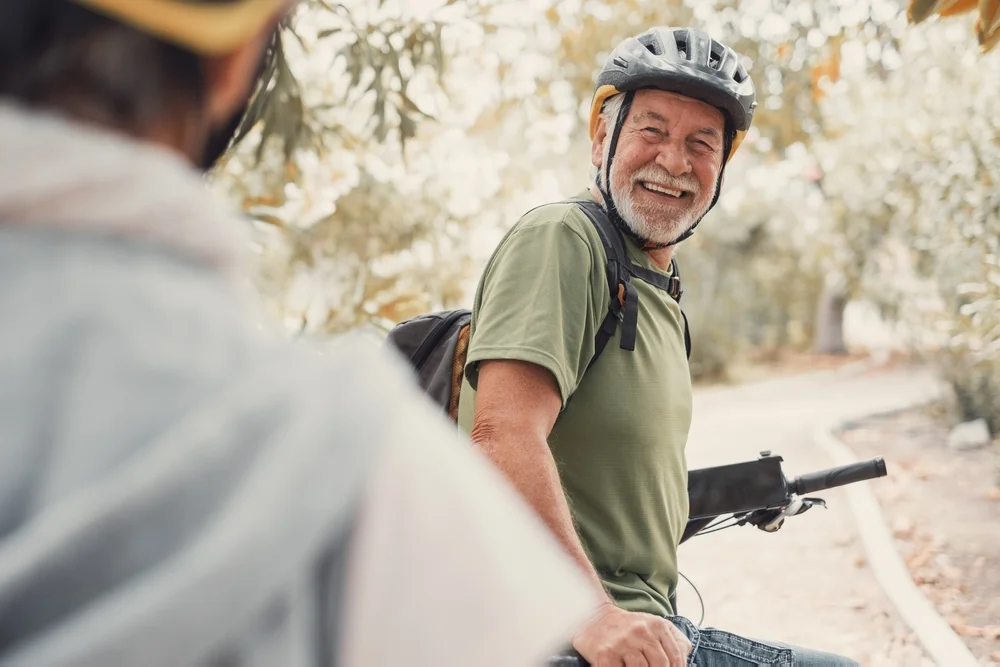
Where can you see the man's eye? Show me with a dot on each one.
(651, 130)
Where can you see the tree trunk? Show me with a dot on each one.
(829, 334)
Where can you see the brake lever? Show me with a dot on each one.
(770, 521)
(807, 504)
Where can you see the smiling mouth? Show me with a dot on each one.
(663, 190)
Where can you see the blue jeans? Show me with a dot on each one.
(717, 648)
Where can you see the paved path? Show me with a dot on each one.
(807, 584)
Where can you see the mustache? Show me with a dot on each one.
(660, 176)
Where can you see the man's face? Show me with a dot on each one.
(669, 157)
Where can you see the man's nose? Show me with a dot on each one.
(674, 159)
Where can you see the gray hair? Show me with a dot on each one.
(609, 112)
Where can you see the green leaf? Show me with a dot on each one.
(382, 126)
(410, 105)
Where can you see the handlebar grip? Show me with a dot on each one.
(569, 659)
(827, 479)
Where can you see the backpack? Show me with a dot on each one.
(436, 344)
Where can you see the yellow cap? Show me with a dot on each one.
(206, 28)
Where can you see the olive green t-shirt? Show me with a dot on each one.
(619, 440)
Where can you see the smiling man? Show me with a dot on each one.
(580, 391)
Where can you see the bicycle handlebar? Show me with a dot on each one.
(801, 485)
(839, 476)
(569, 659)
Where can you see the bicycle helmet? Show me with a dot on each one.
(206, 28)
(679, 60)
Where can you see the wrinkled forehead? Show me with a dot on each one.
(676, 108)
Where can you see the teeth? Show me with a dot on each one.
(659, 188)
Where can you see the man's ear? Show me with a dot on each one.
(597, 145)
(231, 77)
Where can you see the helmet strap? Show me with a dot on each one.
(605, 187)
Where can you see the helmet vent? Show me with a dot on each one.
(652, 44)
(716, 56)
(681, 41)
(620, 62)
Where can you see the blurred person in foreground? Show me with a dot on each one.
(592, 430)
(176, 487)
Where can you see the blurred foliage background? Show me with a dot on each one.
(394, 142)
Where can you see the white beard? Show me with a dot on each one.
(640, 219)
(659, 232)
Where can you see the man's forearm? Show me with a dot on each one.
(528, 464)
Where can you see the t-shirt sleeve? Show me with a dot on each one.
(539, 302)
(448, 566)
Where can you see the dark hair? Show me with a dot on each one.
(56, 54)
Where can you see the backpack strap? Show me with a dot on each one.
(675, 277)
(624, 304)
(670, 284)
(687, 335)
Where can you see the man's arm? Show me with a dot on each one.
(447, 566)
(516, 406)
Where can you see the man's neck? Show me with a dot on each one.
(596, 194)
(661, 257)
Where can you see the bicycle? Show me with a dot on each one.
(755, 493)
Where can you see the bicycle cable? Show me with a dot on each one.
(718, 525)
(698, 593)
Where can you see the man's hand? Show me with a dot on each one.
(615, 637)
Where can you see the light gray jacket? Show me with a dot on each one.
(179, 488)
